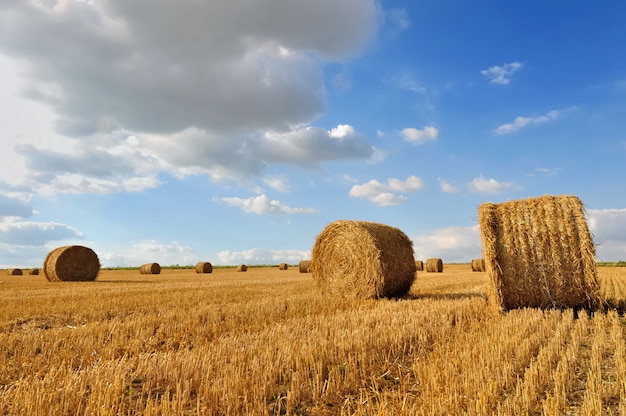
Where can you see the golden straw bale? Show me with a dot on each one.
(539, 253)
(419, 265)
(242, 268)
(283, 266)
(363, 259)
(204, 267)
(15, 272)
(304, 266)
(33, 272)
(71, 263)
(150, 268)
(434, 265)
(478, 265)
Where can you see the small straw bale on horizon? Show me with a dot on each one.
(204, 267)
(539, 253)
(283, 266)
(419, 265)
(150, 268)
(434, 265)
(71, 264)
(15, 272)
(363, 259)
(242, 268)
(304, 266)
(478, 265)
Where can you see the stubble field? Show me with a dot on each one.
(266, 342)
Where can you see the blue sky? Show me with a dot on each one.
(234, 132)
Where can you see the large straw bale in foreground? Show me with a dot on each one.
(363, 260)
(204, 267)
(539, 253)
(150, 268)
(434, 265)
(71, 263)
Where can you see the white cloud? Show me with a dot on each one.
(501, 74)
(447, 187)
(489, 186)
(278, 182)
(262, 256)
(608, 227)
(189, 82)
(381, 195)
(15, 205)
(262, 205)
(413, 135)
(521, 122)
(16, 232)
(399, 18)
(451, 244)
(148, 251)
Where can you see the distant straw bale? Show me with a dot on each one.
(539, 253)
(204, 267)
(242, 268)
(304, 266)
(478, 265)
(363, 259)
(434, 265)
(33, 272)
(283, 266)
(419, 265)
(15, 272)
(150, 268)
(71, 263)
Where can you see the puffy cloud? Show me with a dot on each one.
(608, 227)
(29, 233)
(262, 256)
(262, 205)
(447, 187)
(489, 186)
(202, 89)
(385, 194)
(453, 244)
(416, 136)
(136, 254)
(521, 122)
(501, 74)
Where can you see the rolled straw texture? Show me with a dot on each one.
(283, 266)
(204, 267)
(478, 265)
(304, 266)
(15, 272)
(363, 259)
(150, 268)
(242, 268)
(71, 263)
(539, 253)
(434, 265)
(419, 265)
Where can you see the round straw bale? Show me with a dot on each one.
(33, 272)
(478, 265)
(204, 267)
(304, 266)
(242, 268)
(71, 263)
(419, 265)
(283, 266)
(150, 268)
(363, 259)
(15, 272)
(434, 265)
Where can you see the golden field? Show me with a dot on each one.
(265, 342)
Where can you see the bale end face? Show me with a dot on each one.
(242, 268)
(15, 272)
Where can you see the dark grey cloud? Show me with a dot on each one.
(27, 233)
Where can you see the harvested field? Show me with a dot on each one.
(266, 342)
